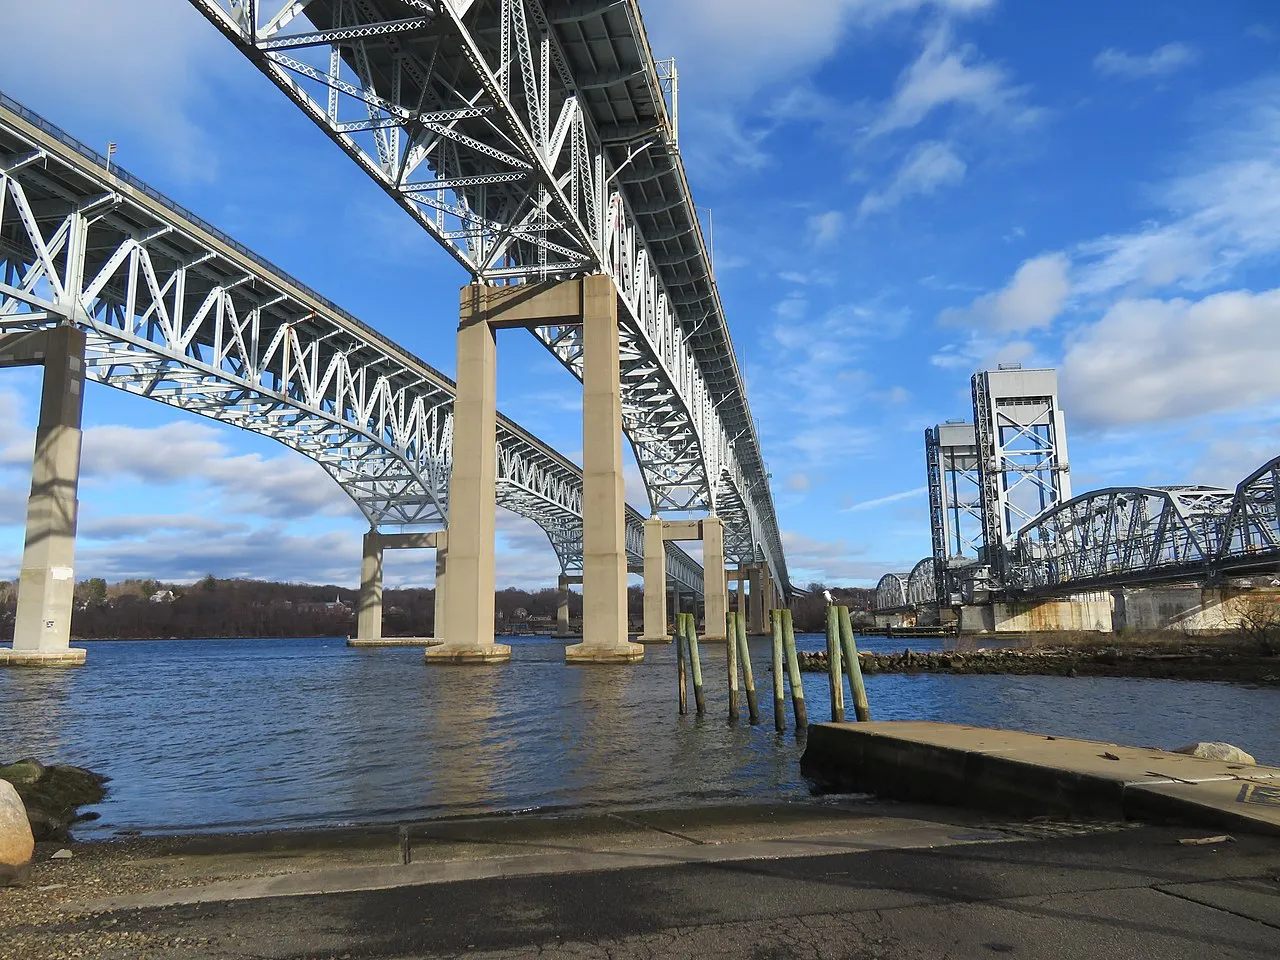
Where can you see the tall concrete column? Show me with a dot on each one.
(604, 556)
(755, 623)
(714, 588)
(742, 589)
(770, 594)
(469, 600)
(46, 583)
(369, 606)
(442, 579)
(562, 608)
(655, 583)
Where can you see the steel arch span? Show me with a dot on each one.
(178, 312)
(922, 583)
(891, 592)
(533, 140)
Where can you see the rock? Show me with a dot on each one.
(1224, 752)
(54, 796)
(16, 841)
(63, 854)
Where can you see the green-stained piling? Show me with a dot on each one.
(779, 693)
(748, 676)
(681, 669)
(834, 679)
(853, 666)
(793, 674)
(695, 662)
(731, 659)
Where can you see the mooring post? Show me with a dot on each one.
(731, 658)
(681, 671)
(748, 677)
(779, 693)
(834, 678)
(853, 666)
(695, 662)
(793, 674)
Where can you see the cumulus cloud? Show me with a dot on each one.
(825, 228)
(1161, 62)
(833, 562)
(948, 75)
(738, 46)
(1031, 300)
(929, 166)
(1152, 360)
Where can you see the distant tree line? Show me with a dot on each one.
(212, 607)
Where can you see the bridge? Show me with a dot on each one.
(103, 278)
(1006, 528)
(537, 142)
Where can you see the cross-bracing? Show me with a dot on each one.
(174, 310)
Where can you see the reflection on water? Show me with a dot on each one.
(226, 734)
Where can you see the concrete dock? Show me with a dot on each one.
(1031, 774)
(395, 642)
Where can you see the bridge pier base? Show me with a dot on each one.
(369, 605)
(46, 583)
(442, 578)
(604, 548)
(655, 583)
(473, 502)
(563, 629)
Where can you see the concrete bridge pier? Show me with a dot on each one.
(369, 604)
(655, 583)
(562, 608)
(755, 621)
(656, 533)
(46, 583)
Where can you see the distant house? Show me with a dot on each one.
(163, 596)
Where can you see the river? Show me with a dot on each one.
(250, 734)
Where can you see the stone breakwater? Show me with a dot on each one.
(1199, 662)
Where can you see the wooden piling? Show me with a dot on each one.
(834, 679)
(793, 674)
(731, 659)
(779, 693)
(748, 676)
(853, 667)
(681, 669)
(695, 662)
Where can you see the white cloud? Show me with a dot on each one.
(945, 75)
(1161, 62)
(825, 228)
(1153, 360)
(735, 47)
(798, 483)
(832, 562)
(1224, 207)
(134, 71)
(890, 498)
(1031, 300)
(929, 166)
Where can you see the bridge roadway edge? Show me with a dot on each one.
(1031, 774)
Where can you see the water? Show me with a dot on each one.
(249, 734)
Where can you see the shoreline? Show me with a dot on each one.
(1216, 659)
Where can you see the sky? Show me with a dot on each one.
(901, 193)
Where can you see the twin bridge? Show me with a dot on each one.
(1006, 528)
(532, 140)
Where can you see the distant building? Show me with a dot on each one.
(163, 596)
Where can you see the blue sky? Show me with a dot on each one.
(902, 192)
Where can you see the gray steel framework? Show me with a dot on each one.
(1022, 451)
(922, 583)
(891, 592)
(176, 311)
(955, 499)
(533, 140)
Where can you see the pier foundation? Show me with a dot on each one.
(46, 583)
(369, 607)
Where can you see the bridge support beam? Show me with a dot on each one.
(655, 583)
(714, 588)
(604, 553)
(442, 579)
(562, 607)
(46, 583)
(469, 601)
(369, 606)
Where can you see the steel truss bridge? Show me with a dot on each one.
(179, 312)
(534, 140)
(1129, 536)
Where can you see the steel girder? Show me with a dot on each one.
(1122, 535)
(922, 583)
(532, 140)
(176, 311)
(1253, 529)
(891, 592)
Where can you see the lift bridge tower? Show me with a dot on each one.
(989, 478)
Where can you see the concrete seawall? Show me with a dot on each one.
(1033, 774)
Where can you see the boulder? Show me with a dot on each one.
(1224, 752)
(16, 841)
(53, 795)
